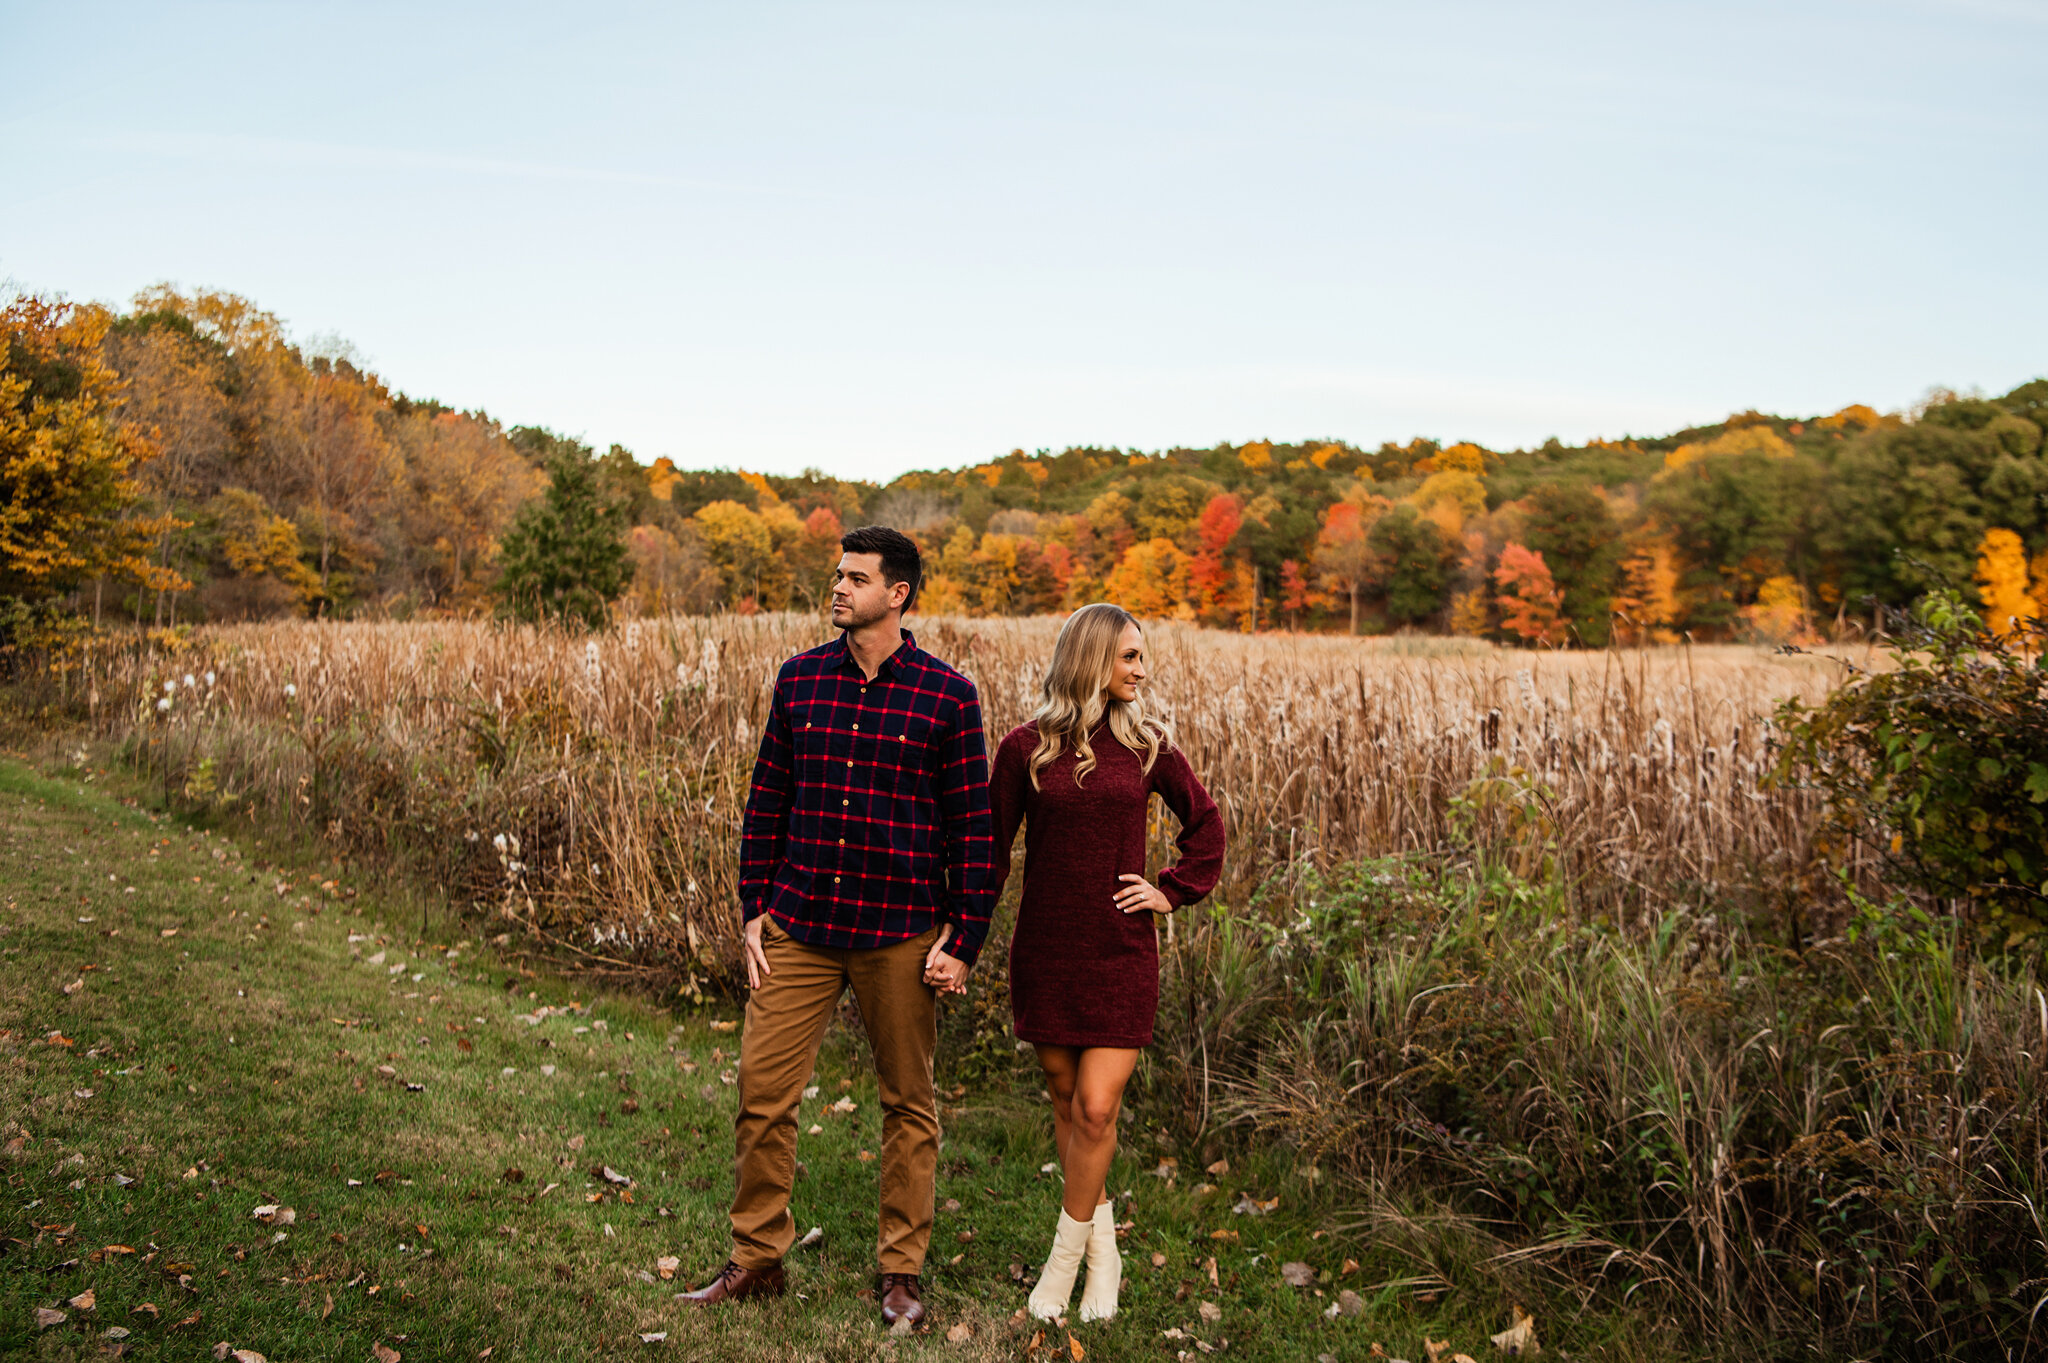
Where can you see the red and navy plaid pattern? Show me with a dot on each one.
(869, 821)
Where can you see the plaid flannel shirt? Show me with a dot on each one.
(868, 821)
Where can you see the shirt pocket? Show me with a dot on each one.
(908, 752)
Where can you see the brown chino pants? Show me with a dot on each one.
(786, 1019)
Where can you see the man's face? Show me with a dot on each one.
(859, 596)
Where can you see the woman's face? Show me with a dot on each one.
(1127, 669)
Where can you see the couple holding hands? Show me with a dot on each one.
(876, 842)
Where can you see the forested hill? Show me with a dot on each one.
(284, 481)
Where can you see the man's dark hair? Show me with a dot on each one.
(900, 559)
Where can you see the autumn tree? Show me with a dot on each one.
(1647, 601)
(2002, 581)
(1531, 605)
(1212, 577)
(1412, 564)
(738, 545)
(68, 489)
(564, 557)
(1344, 558)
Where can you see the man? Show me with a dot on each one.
(864, 861)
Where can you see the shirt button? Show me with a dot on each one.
(835, 880)
(846, 802)
(849, 766)
(856, 728)
(842, 842)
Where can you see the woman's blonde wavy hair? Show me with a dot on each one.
(1073, 699)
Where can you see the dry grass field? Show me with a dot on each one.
(1521, 969)
(617, 764)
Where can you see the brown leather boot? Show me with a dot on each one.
(902, 1299)
(734, 1283)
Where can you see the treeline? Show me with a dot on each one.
(219, 471)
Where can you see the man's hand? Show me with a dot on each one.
(757, 958)
(1141, 896)
(945, 973)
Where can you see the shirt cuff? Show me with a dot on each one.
(960, 948)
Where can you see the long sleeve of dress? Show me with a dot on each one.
(1201, 839)
(1009, 785)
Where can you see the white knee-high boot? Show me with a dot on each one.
(1105, 1266)
(1056, 1279)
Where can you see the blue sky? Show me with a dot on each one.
(873, 237)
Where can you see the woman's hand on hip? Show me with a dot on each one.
(1140, 894)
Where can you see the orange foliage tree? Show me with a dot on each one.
(2002, 581)
(1531, 605)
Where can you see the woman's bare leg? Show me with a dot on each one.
(1087, 1087)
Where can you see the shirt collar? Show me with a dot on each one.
(890, 664)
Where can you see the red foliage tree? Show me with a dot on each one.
(1531, 605)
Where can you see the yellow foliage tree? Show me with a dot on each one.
(1256, 456)
(1779, 614)
(1469, 613)
(738, 545)
(67, 467)
(1649, 592)
(1450, 497)
(1152, 580)
(1742, 440)
(1463, 457)
(2002, 581)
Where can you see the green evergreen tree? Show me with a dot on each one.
(565, 556)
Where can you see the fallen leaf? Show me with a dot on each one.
(1463, 1358)
(1209, 1267)
(327, 1307)
(1167, 1166)
(1350, 1303)
(222, 1350)
(84, 1301)
(1158, 1259)
(1297, 1274)
(1209, 1311)
(960, 1333)
(74, 986)
(147, 1309)
(246, 1356)
(656, 1337)
(843, 1105)
(811, 1237)
(514, 1175)
(1350, 1267)
(192, 1319)
(725, 1026)
(271, 1214)
(575, 1142)
(1435, 1348)
(1223, 1235)
(865, 1156)
(667, 1265)
(384, 1353)
(116, 1333)
(904, 1326)
(45, 1317)
(611, 1175)
(1074, 1348)
(1520, 1336)
(1220, 1168)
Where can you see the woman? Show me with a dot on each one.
(1084, 962)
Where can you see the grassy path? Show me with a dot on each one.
(189, 1033)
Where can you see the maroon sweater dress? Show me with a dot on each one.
(1082, 971)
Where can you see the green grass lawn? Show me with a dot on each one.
(194, 1026)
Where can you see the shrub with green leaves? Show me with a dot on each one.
(1940, 764)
